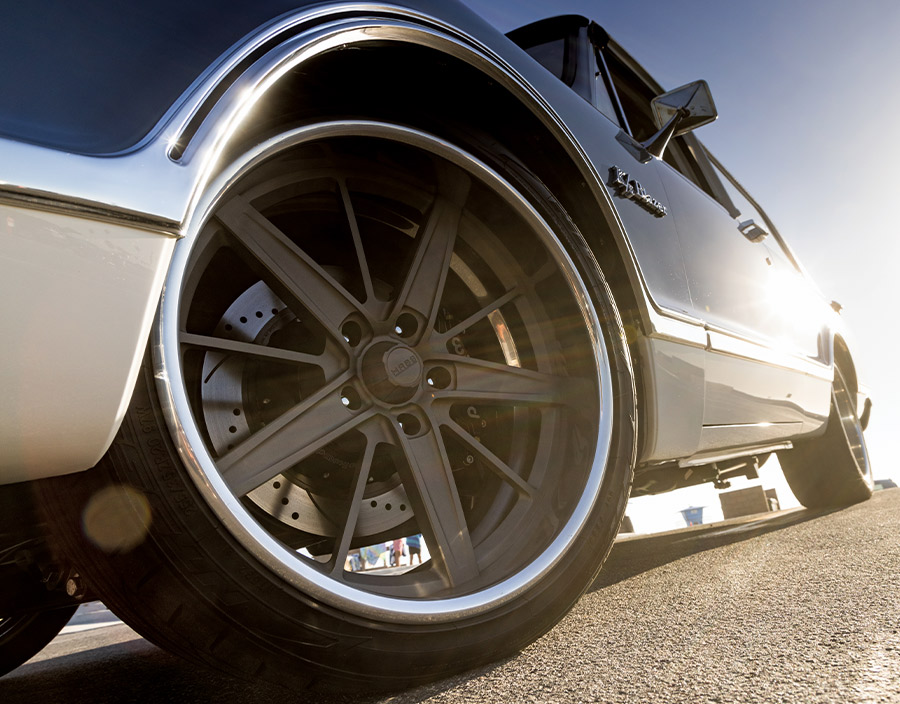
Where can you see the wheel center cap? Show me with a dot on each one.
(392, 372)
(403, 366)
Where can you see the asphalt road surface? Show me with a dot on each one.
(798, 606)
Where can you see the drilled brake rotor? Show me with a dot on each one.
(234, 407)
(239, 395)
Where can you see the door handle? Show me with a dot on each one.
(752, 231)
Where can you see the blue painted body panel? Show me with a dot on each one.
(96, 77)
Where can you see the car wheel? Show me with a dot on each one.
(833, 469)
(23, 636)
(371, 333)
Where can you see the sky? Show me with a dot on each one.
(807, 93)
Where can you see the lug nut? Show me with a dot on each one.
(75, 586)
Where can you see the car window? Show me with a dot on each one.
(743, 208)
(565, 49)
(552, 56)
(604, 95)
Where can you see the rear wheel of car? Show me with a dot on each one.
(833, 469)
(370, 334)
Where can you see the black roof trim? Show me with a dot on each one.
(534, 33)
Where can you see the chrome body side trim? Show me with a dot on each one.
(142, 186)
(54, 203)
(731, 344)
(677, 327)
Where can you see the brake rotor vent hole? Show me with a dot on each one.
(410, 424)
(284, 501)
(406, 325)
(277, 485)
(237, 411)
(350, 398)
(295, 515)
(243, 318)
(387, 507)
(373, 504)
(402, 507)
(438, 378)
(259, 314)
(232, 429)
(351, 332)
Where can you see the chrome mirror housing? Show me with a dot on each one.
(679, 111)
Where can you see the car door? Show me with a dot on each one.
(757, 389)
(793, 319)
(565, 47)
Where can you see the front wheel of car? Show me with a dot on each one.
(832, 469)
(370, 334)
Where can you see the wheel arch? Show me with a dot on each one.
(844, 360)
(440, 78)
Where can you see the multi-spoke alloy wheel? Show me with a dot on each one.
(372, 335)
(834, 469)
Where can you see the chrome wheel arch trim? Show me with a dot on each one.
(275, 556)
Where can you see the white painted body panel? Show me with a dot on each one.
(76, 301)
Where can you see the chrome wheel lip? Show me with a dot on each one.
(229, 510)
(851, 427)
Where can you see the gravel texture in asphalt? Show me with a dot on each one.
(799, 606)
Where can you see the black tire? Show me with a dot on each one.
(25, 635)
(833, 469)
(170, 554)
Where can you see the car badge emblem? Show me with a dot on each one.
(630, 188)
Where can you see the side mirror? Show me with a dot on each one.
(679, 111)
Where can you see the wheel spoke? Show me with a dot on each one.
(357, 241)
(291, 267)
(480, 380)
(360, 477)
(545, 271)
(328, 363)
(439, 339)
(427, 275)
(431, 488)
(298, 433)
(490, 460)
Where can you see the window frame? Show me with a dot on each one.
(689, 156)
(584, 42)
(773, 230)
(582, 70)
